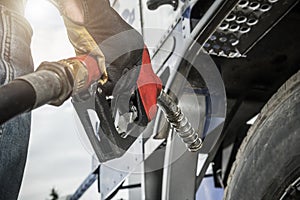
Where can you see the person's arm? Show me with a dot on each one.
(96, 30)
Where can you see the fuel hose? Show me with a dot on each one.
(29, 92)
(16, 97)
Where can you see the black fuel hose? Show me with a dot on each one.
(16, 97)
(52, 83)
(32, 91)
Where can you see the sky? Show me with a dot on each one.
(56, 156)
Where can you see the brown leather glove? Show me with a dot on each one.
(95, 29)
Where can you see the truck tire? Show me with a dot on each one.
(267, 165)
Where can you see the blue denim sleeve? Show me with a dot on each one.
(15, 60)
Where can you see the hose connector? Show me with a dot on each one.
(54, 82)
(179, 122)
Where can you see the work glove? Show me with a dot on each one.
(97, 31)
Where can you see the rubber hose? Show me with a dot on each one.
(16, 97)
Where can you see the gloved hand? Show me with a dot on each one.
(95, 29)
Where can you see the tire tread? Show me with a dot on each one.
(283, 93)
